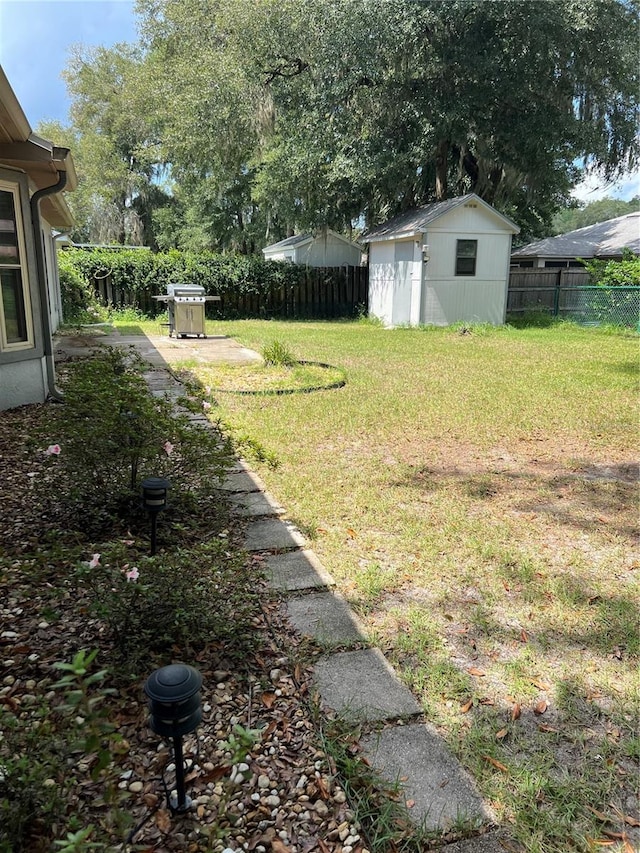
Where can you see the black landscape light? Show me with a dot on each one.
(175, 710)
(154, 500)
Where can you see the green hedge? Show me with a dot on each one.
(147, 273)
(248, 286)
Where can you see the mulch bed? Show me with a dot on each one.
(284, 797)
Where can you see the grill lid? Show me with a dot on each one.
(177, 290)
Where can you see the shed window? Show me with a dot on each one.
(466, 251)
(15, 315)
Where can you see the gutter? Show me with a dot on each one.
(42, 281)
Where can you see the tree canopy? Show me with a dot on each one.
(271, 116)
(596, 211)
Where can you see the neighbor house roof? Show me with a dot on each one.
(604, 239)
(302, 239)
(415, 221)
(290, 242)
(21, 149)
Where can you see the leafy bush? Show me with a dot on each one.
(624, 273)
(184, 598)
(147, 273)
(79, 303)
(112, 432)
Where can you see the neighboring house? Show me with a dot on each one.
(324, 249)
(443, 263)
(605, 240)
(33, 173)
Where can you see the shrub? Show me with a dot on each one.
(278, 354)
(624, 273)
(79, 303)
(113, 432)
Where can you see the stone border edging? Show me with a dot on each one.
(275, 392)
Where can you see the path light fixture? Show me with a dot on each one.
(174, 711)
(154, 500)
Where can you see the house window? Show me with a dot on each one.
(15, 314)
(466, 251)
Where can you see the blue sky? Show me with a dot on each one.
(50, 27)
(35, 37)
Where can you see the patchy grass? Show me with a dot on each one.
(265, 378)
(474, 493)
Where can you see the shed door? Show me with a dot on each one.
(402, 285)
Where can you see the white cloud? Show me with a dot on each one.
(595, 187)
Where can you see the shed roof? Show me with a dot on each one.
(416, 220)
(604, 239)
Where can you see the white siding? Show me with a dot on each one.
(381, 281)
(481, 298)
(329, 251)
(403, 278)
(464, 302)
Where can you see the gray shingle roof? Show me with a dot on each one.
(416, 220)
(605, 239)
(290, 242)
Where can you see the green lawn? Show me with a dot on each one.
(474, 495)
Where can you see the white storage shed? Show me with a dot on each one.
(443, 263)
(324, 249)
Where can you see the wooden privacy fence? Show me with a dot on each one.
(532, 289)
(320, 293)
(569, 293)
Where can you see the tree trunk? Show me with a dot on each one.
(442, 152)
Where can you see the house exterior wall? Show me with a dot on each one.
(22, 370)
(324, 250)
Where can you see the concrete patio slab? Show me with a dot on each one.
(296, 570)
(254, 504)
(362, 685)
(441, 790)
(272, 534)
(326, 617)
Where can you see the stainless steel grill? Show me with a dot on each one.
(185, 305)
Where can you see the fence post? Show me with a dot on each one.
(556, 294)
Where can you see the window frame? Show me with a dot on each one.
(460, 257)
(23, 268)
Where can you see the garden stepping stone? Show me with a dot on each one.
(241, 480)
(272, 534)
(363, 685)
(326, 617)
(438, 789)
(248, 504)
(296, 570)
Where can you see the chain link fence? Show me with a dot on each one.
(567, 297)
